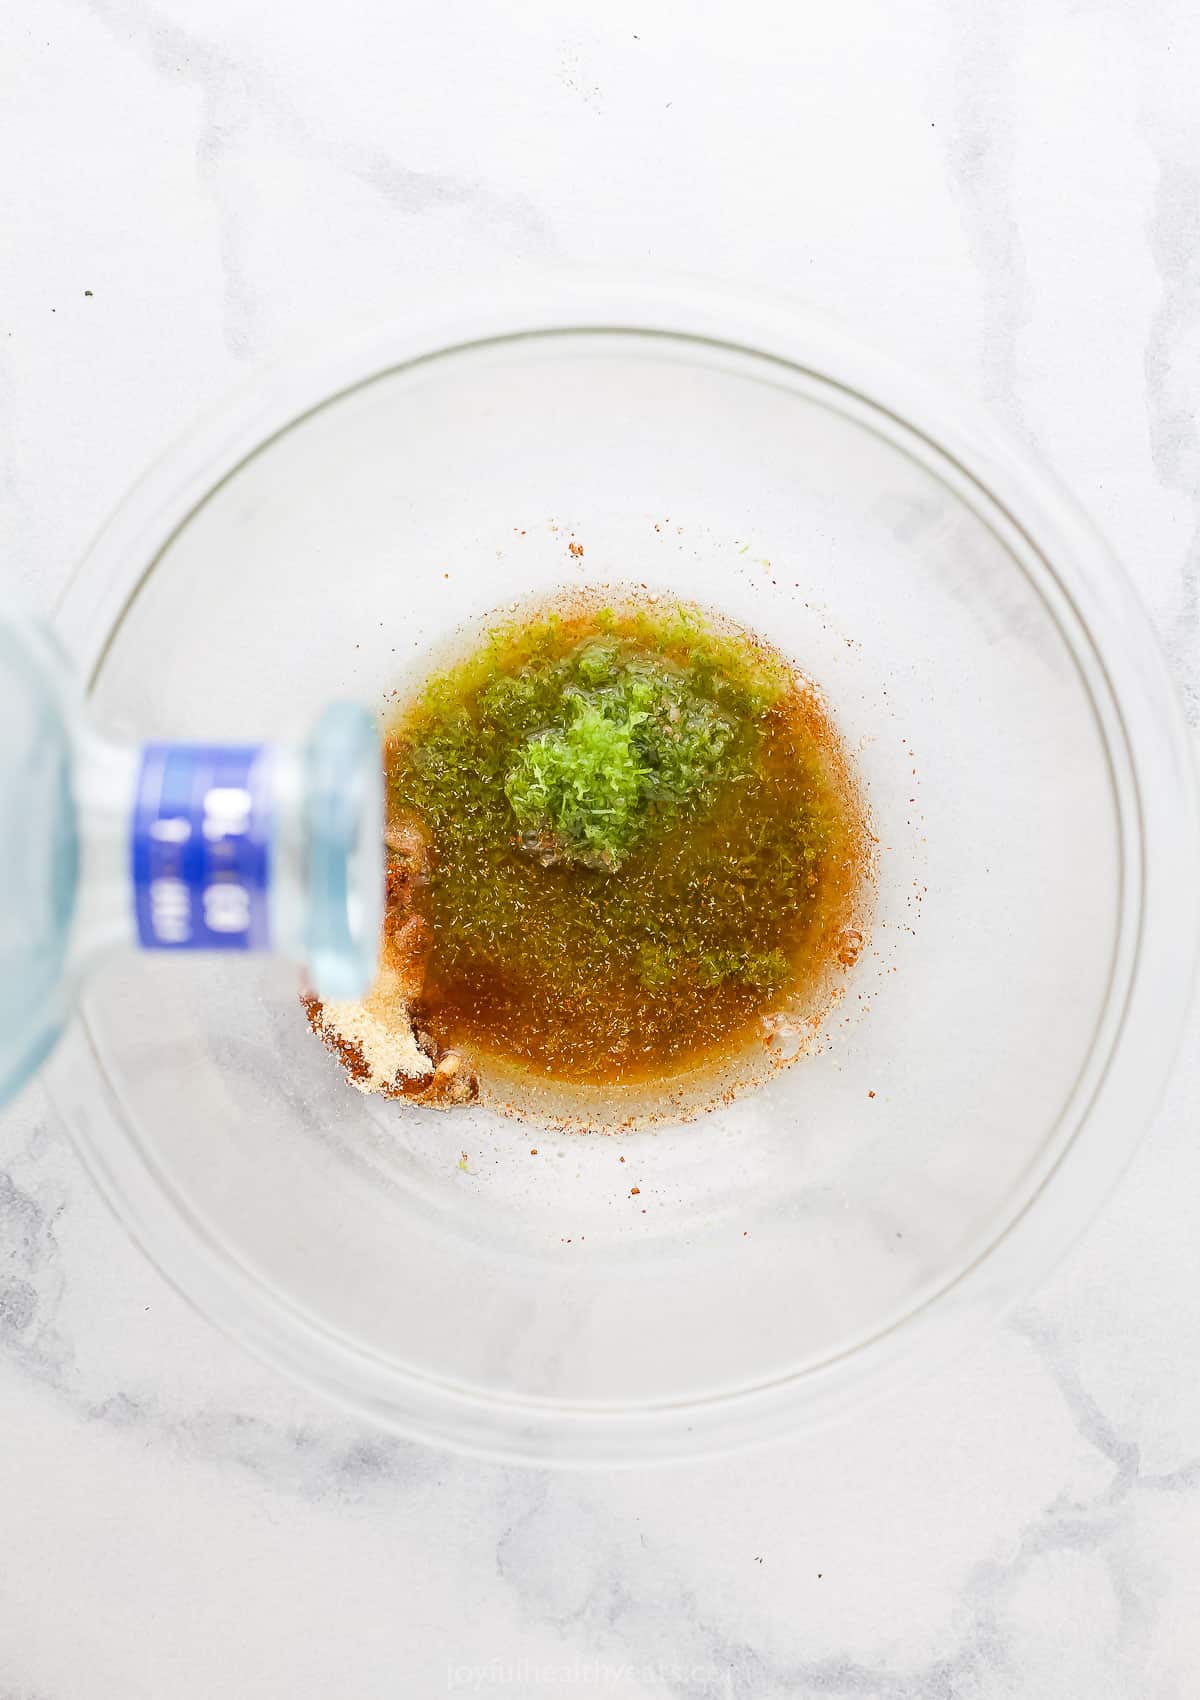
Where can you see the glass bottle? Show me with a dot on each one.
(171, 847)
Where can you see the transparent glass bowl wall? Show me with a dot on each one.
(998, 1046)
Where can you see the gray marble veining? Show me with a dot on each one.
(176, 1519)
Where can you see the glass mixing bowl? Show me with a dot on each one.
(976, 1091)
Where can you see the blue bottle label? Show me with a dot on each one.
(201, 843)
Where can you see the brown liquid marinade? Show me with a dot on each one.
(734, 918)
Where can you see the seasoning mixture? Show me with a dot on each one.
(375, 1038)
(624, 845)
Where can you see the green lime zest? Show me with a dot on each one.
(632, 748)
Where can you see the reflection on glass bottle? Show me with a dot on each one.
(171, 846)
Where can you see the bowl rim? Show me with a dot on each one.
(1154, 785)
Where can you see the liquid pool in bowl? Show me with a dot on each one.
(687, 1287)
(629, 869)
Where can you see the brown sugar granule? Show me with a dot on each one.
(849, 947)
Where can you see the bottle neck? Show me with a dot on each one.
(187, 847)
(103, 783)
(105, 846)
(223, 847)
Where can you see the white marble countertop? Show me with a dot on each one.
(1005, 195)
